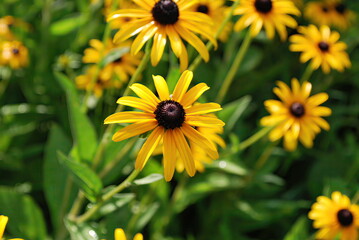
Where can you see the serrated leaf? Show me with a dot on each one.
(25, 217)
(81, 127)
(148, 179)
(84, 177)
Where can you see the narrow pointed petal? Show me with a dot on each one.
(138, 103)
(145, 93)
(128, 117)
(161, 87)
(134, 130)
(184, 151)
(169, 155)
(193, 94)
(203, 108)
(182, 85)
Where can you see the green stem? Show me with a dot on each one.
(254, 138)
(109, 129)
(234, 68)
(5, 81)
(307, 73)
(210, 45)
(126, 183)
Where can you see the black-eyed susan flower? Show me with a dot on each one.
(296, 116)
(13, 54)
(322, 47)
(92, 81)
(3, 222)
(217, 11)
(270, 14)
(330, 12)
(200, 155)
(171, 118)
(120, 235)
(335, 216)
(164, 19)
(121, 68)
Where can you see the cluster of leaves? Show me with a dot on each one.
(47, 141)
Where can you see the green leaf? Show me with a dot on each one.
(233, 111)
(148, 179)
(67, 25)
(113, 55)
(299, 231)
(25, 217)
(82, 129)
(56, 175)
(116, 202)
(229, 167)
(83, 176)
(81, 231)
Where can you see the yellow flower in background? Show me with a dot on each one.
(217, 11)
(296, 116)
(162, 19)
(334, 216)
(322, 47)
(331, 12)
(89, 83)
(200, 155)
(6, 23)
(120, 235)
(171, 117)
(121, 68)
(270, 14)
(3, 222)
(13, 54)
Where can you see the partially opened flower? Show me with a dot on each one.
(322, 47)
(120, 235)
(335, 216)
(13, 54)
(164, 19)
(270, 14)
(171, 117)
(116, 68)
(3, 222)
(217, 11)
(297, 116)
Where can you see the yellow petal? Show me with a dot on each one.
(138, 236)
(161, 87)
(203, 108)
(137, 103)
(193, 94)
(169, 155)
(145, 93)
(204, 121)
(158, 46)
(317, 99)
(182, 85)
(322, 111)
(120, 234)
(146, 33)
(3, 222)
(134, 130)
(148, 147)
(128, 117)
(184, 151)
(132, 29)
(175, 40)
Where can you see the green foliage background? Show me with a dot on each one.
(261, 192)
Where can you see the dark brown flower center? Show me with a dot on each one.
(118, 60)
(170, 114)
(263, 6)
(15, 51)
(345, 217)
(325, 9)
(165, 12)
(297, 109)
(323, 46)
(341, 8)
(203, 8)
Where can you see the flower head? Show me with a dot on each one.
(330, 12)
(217, 11)
(120, 235)
(118, 68)
(13, 54)
(296, 116)
(322, 46)
(93, 82)
(3, 222)
(270, 14)
(335, 215)
(162, 19)
(171, 117)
